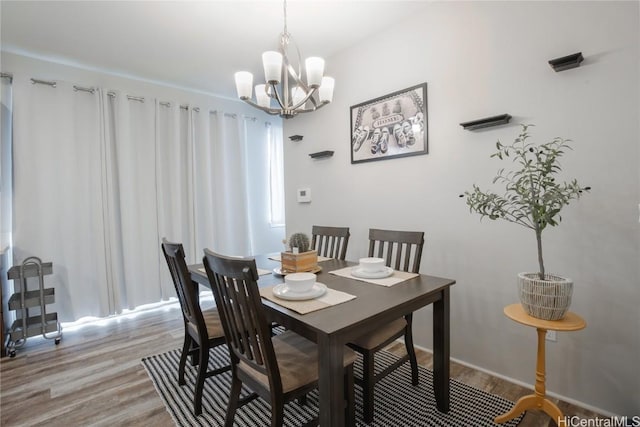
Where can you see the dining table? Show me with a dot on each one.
(373, 307)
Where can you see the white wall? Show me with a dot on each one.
(481, 59)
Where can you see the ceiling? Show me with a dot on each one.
(190, 44)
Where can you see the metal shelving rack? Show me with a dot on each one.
(23, 300)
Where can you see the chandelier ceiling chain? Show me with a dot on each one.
(285, 84)
(284, 9)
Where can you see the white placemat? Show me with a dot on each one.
(330, 298)
(394, 279)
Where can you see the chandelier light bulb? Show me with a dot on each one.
(272, 63)
(244, 84)
(262, 96)
(315, 70)
(326, 89)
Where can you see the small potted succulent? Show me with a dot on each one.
(299, 258)
(533, 199)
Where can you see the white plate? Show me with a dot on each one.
(281, 291)
(358, 272)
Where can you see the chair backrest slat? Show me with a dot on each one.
(235, 288)
(401, 250)
(330, 242)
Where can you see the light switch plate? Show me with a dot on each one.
(304, 195)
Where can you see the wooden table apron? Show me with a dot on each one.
(374, 307)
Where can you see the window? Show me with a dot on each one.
(276, 177)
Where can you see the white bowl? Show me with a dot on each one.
(371, 265)
(300, 282)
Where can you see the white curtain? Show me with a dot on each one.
(226, 169)
(204, 183)
(6, 184)
(57, 186)
(101, 176)
(221, 202)
(174, 160)
(6, 190)
(133, 222)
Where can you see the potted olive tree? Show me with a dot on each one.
(533, 199)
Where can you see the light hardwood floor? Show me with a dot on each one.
(95, 377)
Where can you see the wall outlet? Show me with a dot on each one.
(551, 336)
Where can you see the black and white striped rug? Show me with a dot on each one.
(398, 403)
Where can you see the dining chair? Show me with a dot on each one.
(278, 368)
(330, 241)
(202, 328)
(401, 250)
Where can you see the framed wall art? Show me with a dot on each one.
(391, 126)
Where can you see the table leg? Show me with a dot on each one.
(331, 382)
(537, 400)
(441, 351)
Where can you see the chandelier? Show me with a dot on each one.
(293, 96)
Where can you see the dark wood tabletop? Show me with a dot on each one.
(373, 307)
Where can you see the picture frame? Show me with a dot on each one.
(391, 126)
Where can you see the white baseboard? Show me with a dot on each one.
(524, 384)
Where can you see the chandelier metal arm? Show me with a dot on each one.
(313, 101)
(304, 100)
(309, 110)
(296, 76)
(284, 111)
(276, 95)
(272, 111)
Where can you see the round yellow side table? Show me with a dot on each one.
(538, 400)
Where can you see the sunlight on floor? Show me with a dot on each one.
(171, 304)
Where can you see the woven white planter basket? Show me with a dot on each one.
(545, 299)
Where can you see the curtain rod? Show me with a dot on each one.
(84, 89)
(182, 107)
(129, 97)
(186, 107)
(7, 76)
(231, 115)
(44, 82)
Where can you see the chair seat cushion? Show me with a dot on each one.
(212, 321)
(377, 338)
(297, 361)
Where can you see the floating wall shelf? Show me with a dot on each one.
(488, 122)
(321, 154)
(567, 62)
(296, 137)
